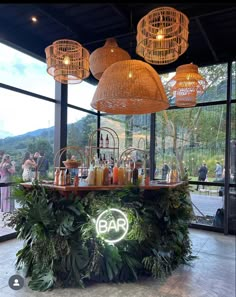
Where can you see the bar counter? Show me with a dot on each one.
(71, 188)
(112, 234)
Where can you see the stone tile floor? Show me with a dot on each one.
(212, 274)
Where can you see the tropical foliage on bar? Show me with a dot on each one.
(62, 249)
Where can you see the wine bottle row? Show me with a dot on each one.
(101, 142)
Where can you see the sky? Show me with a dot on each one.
(20, 113)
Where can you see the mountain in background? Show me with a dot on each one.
(19, 142)
(4, 134)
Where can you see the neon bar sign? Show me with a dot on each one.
(112, 224)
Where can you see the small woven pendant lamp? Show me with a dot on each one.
(130, 87)
(162, 35)
(186, 85)
(67, 61)
(104, 56)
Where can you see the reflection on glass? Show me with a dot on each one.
(79, 127)
(133, 130)
(207, 206)
(190, 137)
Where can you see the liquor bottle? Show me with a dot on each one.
(121, 176)
(104, 159)
(115, 175)
(106, 176)
(76, 180)
(101, 140)
(56, 177)
(107, 141)
(99, 176)
(67, 177)
(98, 173)
(147, 178)
(91, 176)
(61, 181)
(128, 173)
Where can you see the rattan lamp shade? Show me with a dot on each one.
(130, 87)
(186, 85)
(67, 61)
(162, 35)
(103, 57)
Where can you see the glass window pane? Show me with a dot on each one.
(207, 205)
(79, 128)
(81, 95)
(132, 130)
(233, 144)
(233, 80)
(26, 124)
(190, 137)
(25, 72)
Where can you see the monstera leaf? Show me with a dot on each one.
(77, 260)
(66, 224)
(42, 281)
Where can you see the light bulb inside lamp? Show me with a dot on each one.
(160, 34)
(66, 60)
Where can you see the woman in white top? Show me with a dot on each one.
(27, 165)
(7, 169)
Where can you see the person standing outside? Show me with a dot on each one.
(34, 169)
(28, 164)
(42, 165)
(165, 170)
(7, 169)
(202, 174)
(218, 171)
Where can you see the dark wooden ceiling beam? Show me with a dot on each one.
(202, 30)
(214, 12)
(119, 11)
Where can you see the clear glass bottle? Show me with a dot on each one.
(91, 176)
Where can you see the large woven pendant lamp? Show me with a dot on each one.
(67, 61)
(186, 85)
(162, 35)
(104, 56)
(130, 87)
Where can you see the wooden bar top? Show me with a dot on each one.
(72, 188)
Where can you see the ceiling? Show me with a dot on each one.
(212, 28)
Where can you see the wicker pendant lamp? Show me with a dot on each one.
(162, 35)
(130, 87)
(104, 56)
(186, 85)
(67, 61)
